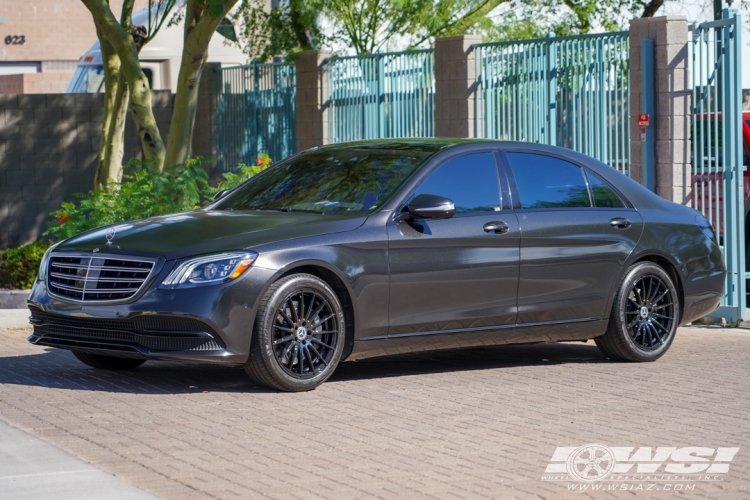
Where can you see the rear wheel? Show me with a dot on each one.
(299, 335)
(645, 315)
(108, 362)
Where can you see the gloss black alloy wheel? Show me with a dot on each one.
(645, 315)
(299, 335)
(305, 332)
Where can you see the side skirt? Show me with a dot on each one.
(456, 339)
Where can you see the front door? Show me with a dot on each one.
(577, 234)
(456, 274)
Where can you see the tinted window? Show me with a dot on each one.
(604, 196)
(469, 181)
(546, 182)
(343, 181)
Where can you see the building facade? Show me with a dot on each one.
(41, 42)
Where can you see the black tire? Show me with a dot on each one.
(299, 335)
(645, 315)
(108, 362)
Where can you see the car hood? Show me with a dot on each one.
(199, 232)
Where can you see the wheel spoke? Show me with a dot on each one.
(292, 355)
(313, 339)
(301, 360)
(283, 340)
(637, 293)
(323, 332)
(301, 305)
(295, 313)
(282, 311)
(284, 329)
(309, 359)
(659, 308)
(317, 354)
(323, 321)
(632, 323)
(657, 299)
(657, 315)
(320, 307)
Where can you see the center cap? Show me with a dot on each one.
(301, 333)
(644, 313)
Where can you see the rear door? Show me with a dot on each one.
(577, 233)
(456, 274)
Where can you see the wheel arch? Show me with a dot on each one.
(671, 269)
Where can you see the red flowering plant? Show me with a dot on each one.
(244, 172)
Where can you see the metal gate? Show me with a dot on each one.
(382, 95)
(716, 133)
(565, 91)
(255, 113)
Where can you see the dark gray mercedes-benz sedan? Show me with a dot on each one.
(380, 247)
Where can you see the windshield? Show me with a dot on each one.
(338, 181)
(86, 80)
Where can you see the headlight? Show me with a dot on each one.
(45, 261)
(705, 226)
(209, 270)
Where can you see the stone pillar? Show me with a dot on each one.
(454, 86)
(312, 94)
(671, 104)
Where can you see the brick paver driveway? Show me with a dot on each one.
(473, 423)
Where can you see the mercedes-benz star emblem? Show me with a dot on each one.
(110, 235)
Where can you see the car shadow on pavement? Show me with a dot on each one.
(58, 369)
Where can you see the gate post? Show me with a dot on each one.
(311, 99)
(671, 105)
(455, 86)
(551, 90)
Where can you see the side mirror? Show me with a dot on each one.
(220, 194)
(429, 206)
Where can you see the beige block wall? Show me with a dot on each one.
(49, 82)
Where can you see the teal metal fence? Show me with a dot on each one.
(716, 133)
(381, 95)
(565, 91)
(255, 113)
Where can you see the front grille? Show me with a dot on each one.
(154, 332)
(96, 279)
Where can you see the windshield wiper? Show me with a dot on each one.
(289, 209)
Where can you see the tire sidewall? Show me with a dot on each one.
(622, 298)
(265, 336)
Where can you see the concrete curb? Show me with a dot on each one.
(14, 318)
(13, 299)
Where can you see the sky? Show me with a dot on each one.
(697, 10)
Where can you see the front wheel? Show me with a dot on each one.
(299, 335)
(645, 315)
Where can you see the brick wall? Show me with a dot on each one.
(49, 145)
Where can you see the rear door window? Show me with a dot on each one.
(548, 182)
(603, 195)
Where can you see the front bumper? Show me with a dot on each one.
(212, 323)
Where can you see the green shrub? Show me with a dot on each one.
(232, 179)
(143, 193)
(19, 266)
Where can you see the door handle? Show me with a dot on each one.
(498, 226)
(620, 223)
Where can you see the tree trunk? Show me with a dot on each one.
(137, 83)
(111, 65)
(115, 137)
(200, 26)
